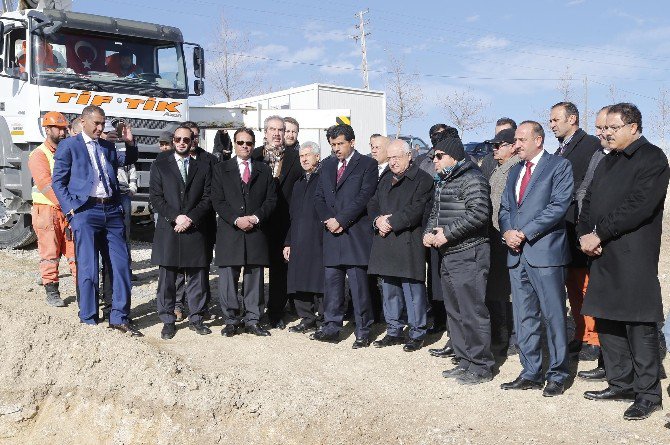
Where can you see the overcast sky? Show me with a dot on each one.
(512, 55)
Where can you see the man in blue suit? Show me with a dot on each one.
(532, 211)
(84, 181)
(347, 182)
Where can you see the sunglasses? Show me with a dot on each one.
(184, 140)
(439, 156)
(247, 143)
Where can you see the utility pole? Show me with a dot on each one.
(586, 104)
(361, 37)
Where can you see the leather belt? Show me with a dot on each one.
(100, 200)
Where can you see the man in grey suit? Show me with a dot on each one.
(532, 211)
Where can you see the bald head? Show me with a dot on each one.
(379, 148)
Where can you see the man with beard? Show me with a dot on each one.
(291, 130)
(54, 236)
(285, 169)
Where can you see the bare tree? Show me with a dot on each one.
(660, 123)
(465, 110)
(403, 95)
(232, 74)
(565, 85)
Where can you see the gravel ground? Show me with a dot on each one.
(64, 382)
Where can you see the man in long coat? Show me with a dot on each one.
(180, 192)
(398, 255)
(244, 196)
(620, 229)
(304, 243)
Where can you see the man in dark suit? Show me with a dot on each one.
(347, 182)
(85, 183)
(244, 196)
(304, 243)
(620, 229)
(398, 254)
(539, 191)
(180, 189)
(577, 147)
(285, 170)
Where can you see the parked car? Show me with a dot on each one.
(477, 150)
(418, 146)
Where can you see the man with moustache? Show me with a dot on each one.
(489, 162)
(179, 190)
(620, 229)
(291, 131)
(577, 147)
(285, 170)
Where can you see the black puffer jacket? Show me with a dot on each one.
(461, 206)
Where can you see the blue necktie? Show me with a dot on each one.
(101, 173)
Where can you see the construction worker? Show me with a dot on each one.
(54, 237)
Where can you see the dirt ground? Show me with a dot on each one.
(64, 382)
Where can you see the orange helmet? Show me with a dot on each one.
(54, 119)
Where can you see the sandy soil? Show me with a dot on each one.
(63, 382)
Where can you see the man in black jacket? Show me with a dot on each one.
(180, 192)
(620, 229)
(244, 196)
(285, 170)
(577, 147)
(396, 210)
(458, 226)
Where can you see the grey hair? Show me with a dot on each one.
(406, 149)
(313, 146)
(272, 118)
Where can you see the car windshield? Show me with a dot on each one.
(110, 62)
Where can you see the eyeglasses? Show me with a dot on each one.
(615, 128)
(185, 140)
(247, 143)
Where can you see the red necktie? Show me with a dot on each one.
(525, 180)
(340, 171)
(247, 174)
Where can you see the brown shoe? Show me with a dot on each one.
(179, 315)
(126, 328)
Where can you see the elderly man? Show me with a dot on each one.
(397, 209)
(458, 227)
(285, 170)
(379, 152)
(304, 243)
(489, 163)
(620, 229)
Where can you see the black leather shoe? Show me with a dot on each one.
(277, 324)
(641, 409)
(453, 372)
(228, 330)
(303, 326)
(595, 375)
(447, 351)
(589, 353)
(126, 328)
(256, 330)
(362, 342)
(471, 378)
(388, 340)
(553, 389)
(322, 336)
(413, 345)
(574, 346)
(168, 331)
(199, 328)
(522, 384)
(610, 393)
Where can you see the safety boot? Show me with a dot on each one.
(53, 295)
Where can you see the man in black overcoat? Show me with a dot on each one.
(398, 255)
(620, 229)
(244, 196)
(180, 193)
(304, 243)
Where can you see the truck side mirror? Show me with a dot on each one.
(198, 87)
(199, 62)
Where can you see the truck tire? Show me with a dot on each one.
(15, 229)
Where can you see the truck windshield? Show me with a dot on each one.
(124, 64)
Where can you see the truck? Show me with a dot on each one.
(60, 60)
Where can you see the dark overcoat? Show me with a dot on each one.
(305, 237)
(231, 199)
(624, 204)
(401, 253)
(171, 197)
(347, 202)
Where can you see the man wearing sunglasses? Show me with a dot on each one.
(244, 197)
(179, 191)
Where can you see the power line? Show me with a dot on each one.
(364, 51)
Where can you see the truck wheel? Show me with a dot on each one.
(15, 229)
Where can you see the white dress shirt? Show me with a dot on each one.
(535, 160)
(180, 159)
(240, 165)
(348, 159)
(380, 169)
(98, 189)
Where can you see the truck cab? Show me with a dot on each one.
(53, 60)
